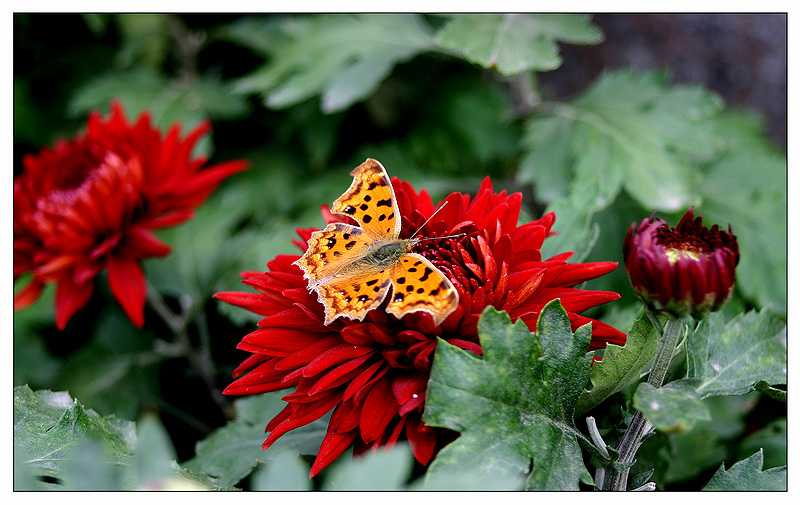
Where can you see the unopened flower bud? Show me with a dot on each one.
(689, 269)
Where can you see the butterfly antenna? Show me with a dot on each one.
(426, 222)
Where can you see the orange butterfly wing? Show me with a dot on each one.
(370, 201)
(353, 296)
(332, 251)
(418, 285)
(351, 268)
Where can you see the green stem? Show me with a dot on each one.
(200, 360)
(525, 92)
(617, 477)
(673, 330)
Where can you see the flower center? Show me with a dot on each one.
(674, 254)
(684, 245)
(73, 170)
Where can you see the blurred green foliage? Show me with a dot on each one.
(441, 101)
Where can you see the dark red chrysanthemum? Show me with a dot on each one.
(689, 269)
(90, 204)
(373, 374)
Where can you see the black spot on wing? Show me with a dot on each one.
(428, 271)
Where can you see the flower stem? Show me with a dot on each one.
(524, 89)
(200, 360)
(617, 477)
(673, 330)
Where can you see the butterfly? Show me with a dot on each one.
(354, 268)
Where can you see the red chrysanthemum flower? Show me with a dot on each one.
(374, 374)
(91, 203)
(689, 269)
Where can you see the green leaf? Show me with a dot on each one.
(577, 229)
(384, 470)
(33, 364)
(284, 472)
(747, 188)
(153, 455)
(343, 58)
(516, 43)
(730, 358)
(772, 438)
(627, 131)
(674, 407)
(640, 479)
(620, 366)
(682, 456)
(207, 255)
(688, 454)
(747, 475)
(116, 372)
(56, 437)
(25, 474)
(146, 37)
(464, 121)
(48, 424)
(317, 132)
(86, 468)
(462, 479)
(232, 452)
(143, 89)
(514, 408)
(258, 33)
(722, 359)
(136, 88)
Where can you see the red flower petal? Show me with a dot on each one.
(70, 298)
(28, 295)
(378, 409)
(421, 439)
(128, 285)
(332, 447)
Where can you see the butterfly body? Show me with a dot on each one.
(354, 268)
